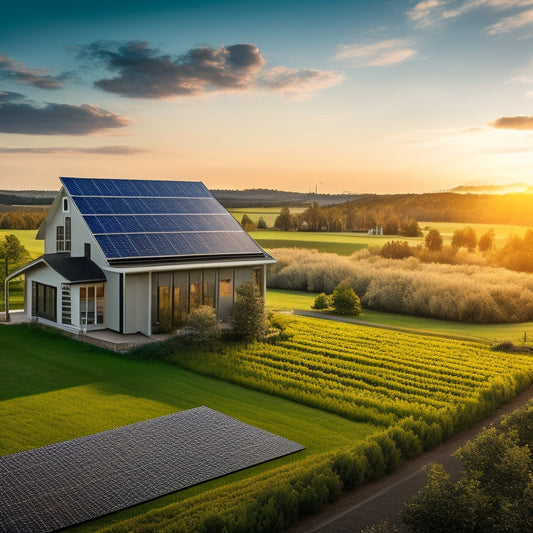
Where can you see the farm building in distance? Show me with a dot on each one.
(137, 256)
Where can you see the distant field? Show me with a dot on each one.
(342, 243)
(286, 300)
(268, 213)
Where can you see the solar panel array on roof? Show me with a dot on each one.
(143, 219)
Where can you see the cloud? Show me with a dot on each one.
(381, 54)
(299, 81)
(103, 150)
(514, 22)
(514, 123)
(13, 70)
(431, 12)
(17, 115)
(145, 72)
(425, 13)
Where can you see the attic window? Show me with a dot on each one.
(65, 205)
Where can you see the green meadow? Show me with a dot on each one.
(284, 300)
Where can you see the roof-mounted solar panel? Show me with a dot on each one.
(146, 219)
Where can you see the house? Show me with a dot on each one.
(137, 256)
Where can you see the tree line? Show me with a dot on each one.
(21, 220)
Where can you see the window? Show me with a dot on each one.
(68, 233)
(65, 205)
(92, 304)
(60, 238)
(44, 301)
(87, 249)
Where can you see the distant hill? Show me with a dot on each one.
(274, 198)
(12, 198)
(493, 189)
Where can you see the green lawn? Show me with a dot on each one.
(53, 389)
(284, 300)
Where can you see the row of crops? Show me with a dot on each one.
(372, 375)
(416, 389)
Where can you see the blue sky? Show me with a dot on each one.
(392, 96)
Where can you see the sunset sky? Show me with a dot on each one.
(338, 96)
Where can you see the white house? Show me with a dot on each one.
(137, 256)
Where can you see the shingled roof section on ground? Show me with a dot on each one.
(70, 482)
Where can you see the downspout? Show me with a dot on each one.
(6, 295)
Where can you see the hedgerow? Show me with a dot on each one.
(467, 293)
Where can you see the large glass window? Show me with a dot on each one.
(44, 301)
(176, 294)
(195, 289)
(225, 292)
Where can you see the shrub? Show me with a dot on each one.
(248, 317)
(321, 301)
(351, 467)
(344, 300)
(202, 326)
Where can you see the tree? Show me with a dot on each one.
(433, 241)
(464, 238)
(486, 241)
(261, 223)
(409, 228)
(344, 300)
(249, 317)
(13, 254)
(314, 217)
(285, 221)
(321, 301)
(396, 250)
(494, 492)
(247, 223)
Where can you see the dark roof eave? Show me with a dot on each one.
(149, 261)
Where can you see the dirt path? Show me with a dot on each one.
(383, 499)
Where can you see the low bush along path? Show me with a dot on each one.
(383, 499)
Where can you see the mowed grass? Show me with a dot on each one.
(54, 389)
(284, 300)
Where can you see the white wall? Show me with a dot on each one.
(47, 276)
(137, 304)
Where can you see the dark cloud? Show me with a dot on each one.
(514, 123)
(103, 150)
(144, 72)
(20, 116)
(13, 70)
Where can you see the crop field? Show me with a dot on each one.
(371, 375)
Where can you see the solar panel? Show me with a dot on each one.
(134, 219)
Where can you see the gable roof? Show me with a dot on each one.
(73, 269)
(154, 220)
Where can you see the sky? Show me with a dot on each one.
(379, 96)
